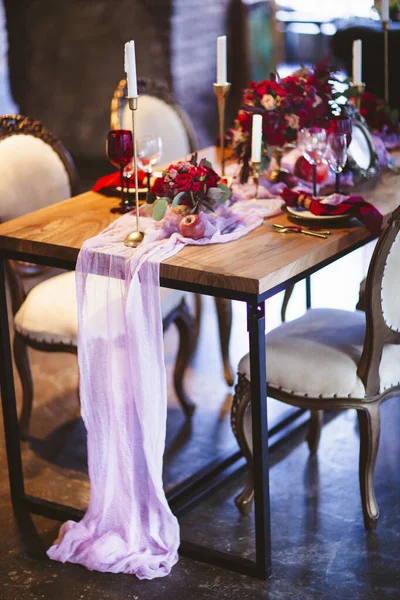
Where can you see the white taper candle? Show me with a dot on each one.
(221, 59)
(385, 10)
(130, 69)
(357, 62)
(256, 138)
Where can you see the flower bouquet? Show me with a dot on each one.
(303, 99)
(381, 119)
(187, 188)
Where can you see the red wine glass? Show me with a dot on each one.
(119, 150)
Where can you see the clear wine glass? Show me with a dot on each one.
(337, 155)
(149, 149)
(119, 149)
(312, 143)
(344, 125)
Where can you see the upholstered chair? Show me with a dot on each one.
(35, 171)
(161, 115)
(336, 359)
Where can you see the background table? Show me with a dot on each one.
(251, 269)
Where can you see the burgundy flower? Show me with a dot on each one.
(182, 182)
(196, 186)
(158, 186)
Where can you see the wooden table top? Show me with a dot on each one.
(254, 264)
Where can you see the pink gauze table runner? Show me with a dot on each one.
(128, 526)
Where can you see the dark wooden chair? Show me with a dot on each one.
(46, 318)
(161, 115)
(336, 359)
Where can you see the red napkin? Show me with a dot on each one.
(355, 206)
(114, 180)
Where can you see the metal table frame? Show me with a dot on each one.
(186, 494)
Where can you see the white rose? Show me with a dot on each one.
(292, 121)
(268, 102)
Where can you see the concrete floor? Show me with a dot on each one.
(320, 547)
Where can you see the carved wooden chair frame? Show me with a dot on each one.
(378, 333)
(181, 316)
(150, 88)
(223, 306)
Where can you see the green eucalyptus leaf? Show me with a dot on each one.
(178, 198)
(215, 193)
(160, 208)
(225, 191)
(350, 92)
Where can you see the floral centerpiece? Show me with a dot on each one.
(380, 118)
(303, 99)
(187, 188)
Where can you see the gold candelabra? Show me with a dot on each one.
(256, 176)
(221, 91)
(136, 237)
(385, 25)
(359, 90)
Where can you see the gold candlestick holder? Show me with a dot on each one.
(359, 90)
(385, 26)
(221, 91)
(256, 177)
(136, 237)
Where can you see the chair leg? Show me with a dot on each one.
(314, 430)
(369, 424)
(187, 335)
(224, 313)
(197, 318)
(285, 302)
(24, 371)
(241, 427)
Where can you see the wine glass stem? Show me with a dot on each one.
(149, 172)
(122, 186)
(338, 182)
(314, 171)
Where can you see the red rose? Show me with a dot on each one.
(158, 186)
(244, 120)
(261, 88)
(196, 186)
(182, 182)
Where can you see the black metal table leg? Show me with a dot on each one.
(256, 329)
(10, 417)
(308, 292)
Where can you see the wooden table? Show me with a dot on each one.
(251, 270)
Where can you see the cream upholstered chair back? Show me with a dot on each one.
(158, 114)
(35, 169)
(382, 340)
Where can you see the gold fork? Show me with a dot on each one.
(294, 227)
(299, 230)
(289, 229)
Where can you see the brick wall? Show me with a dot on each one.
(66, 57)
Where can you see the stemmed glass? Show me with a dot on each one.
(344, 125)
(149, 150)
(312, 143)
(119, 150)
(337, 155)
